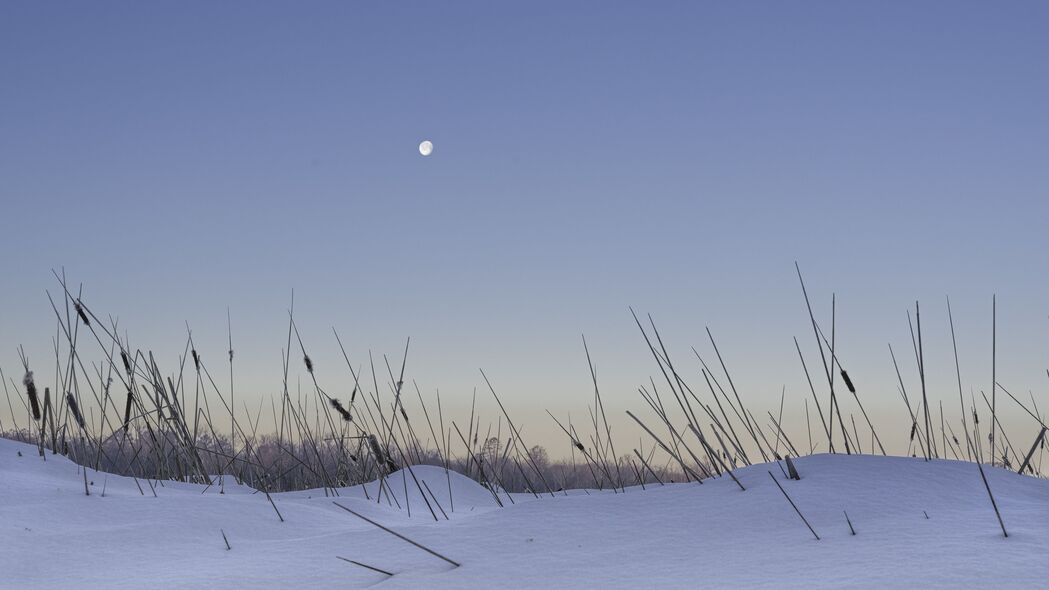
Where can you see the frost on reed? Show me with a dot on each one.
(30, 391)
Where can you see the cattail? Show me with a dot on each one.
(30, 390)
(127, 410)
(380, 457)
(579, 445)
(404, 414)
(74, 409)
(80, 312)
(914, 429)
(353, 395)
(127, 363)
(341, 410)
(976, 417)
(196, 359)
(848, 382)
(309, 363)
(373, 443)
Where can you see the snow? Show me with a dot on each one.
(682, 535)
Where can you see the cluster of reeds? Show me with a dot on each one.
(127, 415)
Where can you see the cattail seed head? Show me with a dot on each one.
(30, 389)
(80, 312)
(341, 410)
(380, 457)
(74, 409)
(127, 409)
(196, 358)
(127, 363)
(848, 382)
(309, 363)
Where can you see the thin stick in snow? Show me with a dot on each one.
(993, 503)
(225, 539)
(365, 566)
(268, 497)
(852, 530)
(794, 506)
(425, 485)
(396, 534)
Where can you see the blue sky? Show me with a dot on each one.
(677, 157)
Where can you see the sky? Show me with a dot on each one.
(179, 161)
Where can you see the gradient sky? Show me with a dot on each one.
(678, 157)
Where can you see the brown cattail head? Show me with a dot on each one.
(579, 445)
(74, 409)
(196, 358)
(80, 312)
(380, 457)
(127, 410)
(373, 443)
(127, 363)
(341, 410)
(353, 395)
(30, 390)
(309, 363)
(914, 429)
(848, 382)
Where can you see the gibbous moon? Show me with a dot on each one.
(426, 148)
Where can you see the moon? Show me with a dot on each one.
(426, 148)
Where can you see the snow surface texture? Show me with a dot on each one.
(686, 535)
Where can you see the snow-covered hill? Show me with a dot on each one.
(52, 535)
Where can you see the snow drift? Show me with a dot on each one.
(918, 524)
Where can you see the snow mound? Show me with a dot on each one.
(453, 491)
(926, 524)
(405, 489)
